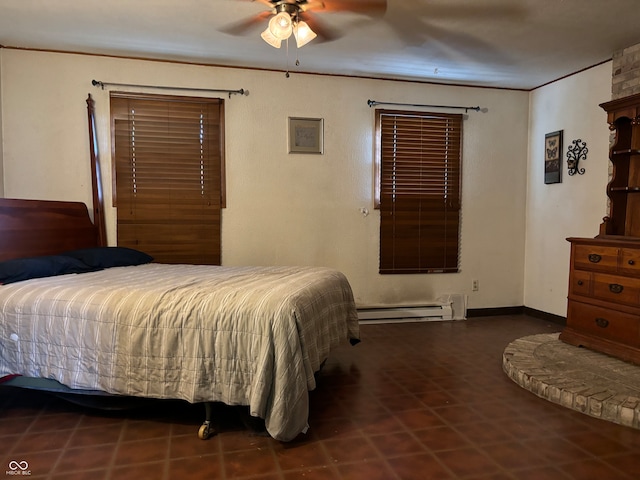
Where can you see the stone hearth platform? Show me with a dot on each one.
(577, 378)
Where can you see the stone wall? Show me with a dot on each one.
(626, 72)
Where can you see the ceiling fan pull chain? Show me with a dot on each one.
(287, 73)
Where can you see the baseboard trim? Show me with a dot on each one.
(521, 310)
(491, 312)
(549, 317)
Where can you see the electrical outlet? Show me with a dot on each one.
(474, 285)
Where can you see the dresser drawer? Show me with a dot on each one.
(630, 261)
(595, 258)
(580, 283)
(616, 289)
(604, 323)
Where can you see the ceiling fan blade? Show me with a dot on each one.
(325, 33)
(244, 26)
(311, 5)
(491, 11)
(372, 8)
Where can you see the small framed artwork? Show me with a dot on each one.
(306, 135)
(553, 157)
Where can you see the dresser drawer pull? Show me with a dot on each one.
(580, 282)
(631, 262)
(602, 322)
(616, 288)
(594, 258)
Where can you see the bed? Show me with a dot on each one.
(126, 326)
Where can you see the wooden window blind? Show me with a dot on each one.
(418, 185)
(169, 175)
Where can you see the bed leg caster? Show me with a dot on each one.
(206, 430)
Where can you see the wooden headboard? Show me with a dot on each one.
(31, 228)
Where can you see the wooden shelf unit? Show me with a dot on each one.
(623, 116)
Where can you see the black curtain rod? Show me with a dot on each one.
(372, 103)
(98, 83)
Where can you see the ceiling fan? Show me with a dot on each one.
(295, 17)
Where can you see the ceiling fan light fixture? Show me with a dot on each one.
(303, 34)
(268, 37)
(281, 26)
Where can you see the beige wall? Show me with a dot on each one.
(282, 208)
(575, 207)
(1, 148)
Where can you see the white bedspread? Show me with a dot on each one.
(239, 335)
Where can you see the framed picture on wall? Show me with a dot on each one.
(306, 135)
(553, 157)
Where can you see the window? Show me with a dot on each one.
(418, 166)
(169, 175)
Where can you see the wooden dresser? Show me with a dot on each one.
(604, 282)
(604, 297)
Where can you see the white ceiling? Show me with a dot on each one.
(518, 44)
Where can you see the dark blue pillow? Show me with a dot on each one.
(106, 257)
(38, 267)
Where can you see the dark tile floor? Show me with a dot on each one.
(412, 401)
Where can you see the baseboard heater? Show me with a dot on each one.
(447, 307)
(424, 313)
